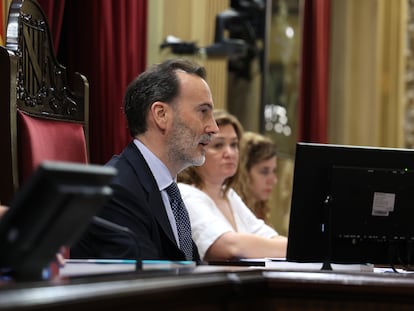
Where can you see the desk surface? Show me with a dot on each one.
(218, 288)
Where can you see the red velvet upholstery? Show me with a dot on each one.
(42, 139)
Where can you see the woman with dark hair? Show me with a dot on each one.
(257, 172)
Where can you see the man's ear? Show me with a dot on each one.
(159, 112)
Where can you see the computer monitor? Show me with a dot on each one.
(352, 204)
(51, 210)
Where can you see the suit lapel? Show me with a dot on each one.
(142, 170)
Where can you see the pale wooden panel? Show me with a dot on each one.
(203, 27)
(392, 66)
(217, 79)
(155, 34)
(178, 18)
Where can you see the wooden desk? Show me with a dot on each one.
(339, 291)
(235, 289)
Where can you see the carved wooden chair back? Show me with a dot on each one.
(42, 117)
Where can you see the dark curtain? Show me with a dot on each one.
(313, 100)
(106, 41)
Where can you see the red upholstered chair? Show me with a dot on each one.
(42, 115)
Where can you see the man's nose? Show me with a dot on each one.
(212, 127)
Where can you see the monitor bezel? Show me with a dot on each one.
(309, 236)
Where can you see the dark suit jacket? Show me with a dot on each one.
(136, 204)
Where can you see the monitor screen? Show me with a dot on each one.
(352, 204)
(52, 209)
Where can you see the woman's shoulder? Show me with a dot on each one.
(233, 195)
(185, 187)
(195, 198)
(188, 190)
(236, 201)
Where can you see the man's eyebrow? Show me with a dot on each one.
(208, 105)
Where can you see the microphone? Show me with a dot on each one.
(124, 230)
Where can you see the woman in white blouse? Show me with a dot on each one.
(223, 227)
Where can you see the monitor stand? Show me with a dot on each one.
(327, 207)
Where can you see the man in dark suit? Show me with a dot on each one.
(169, 109)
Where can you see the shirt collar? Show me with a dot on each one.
(159, 170)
